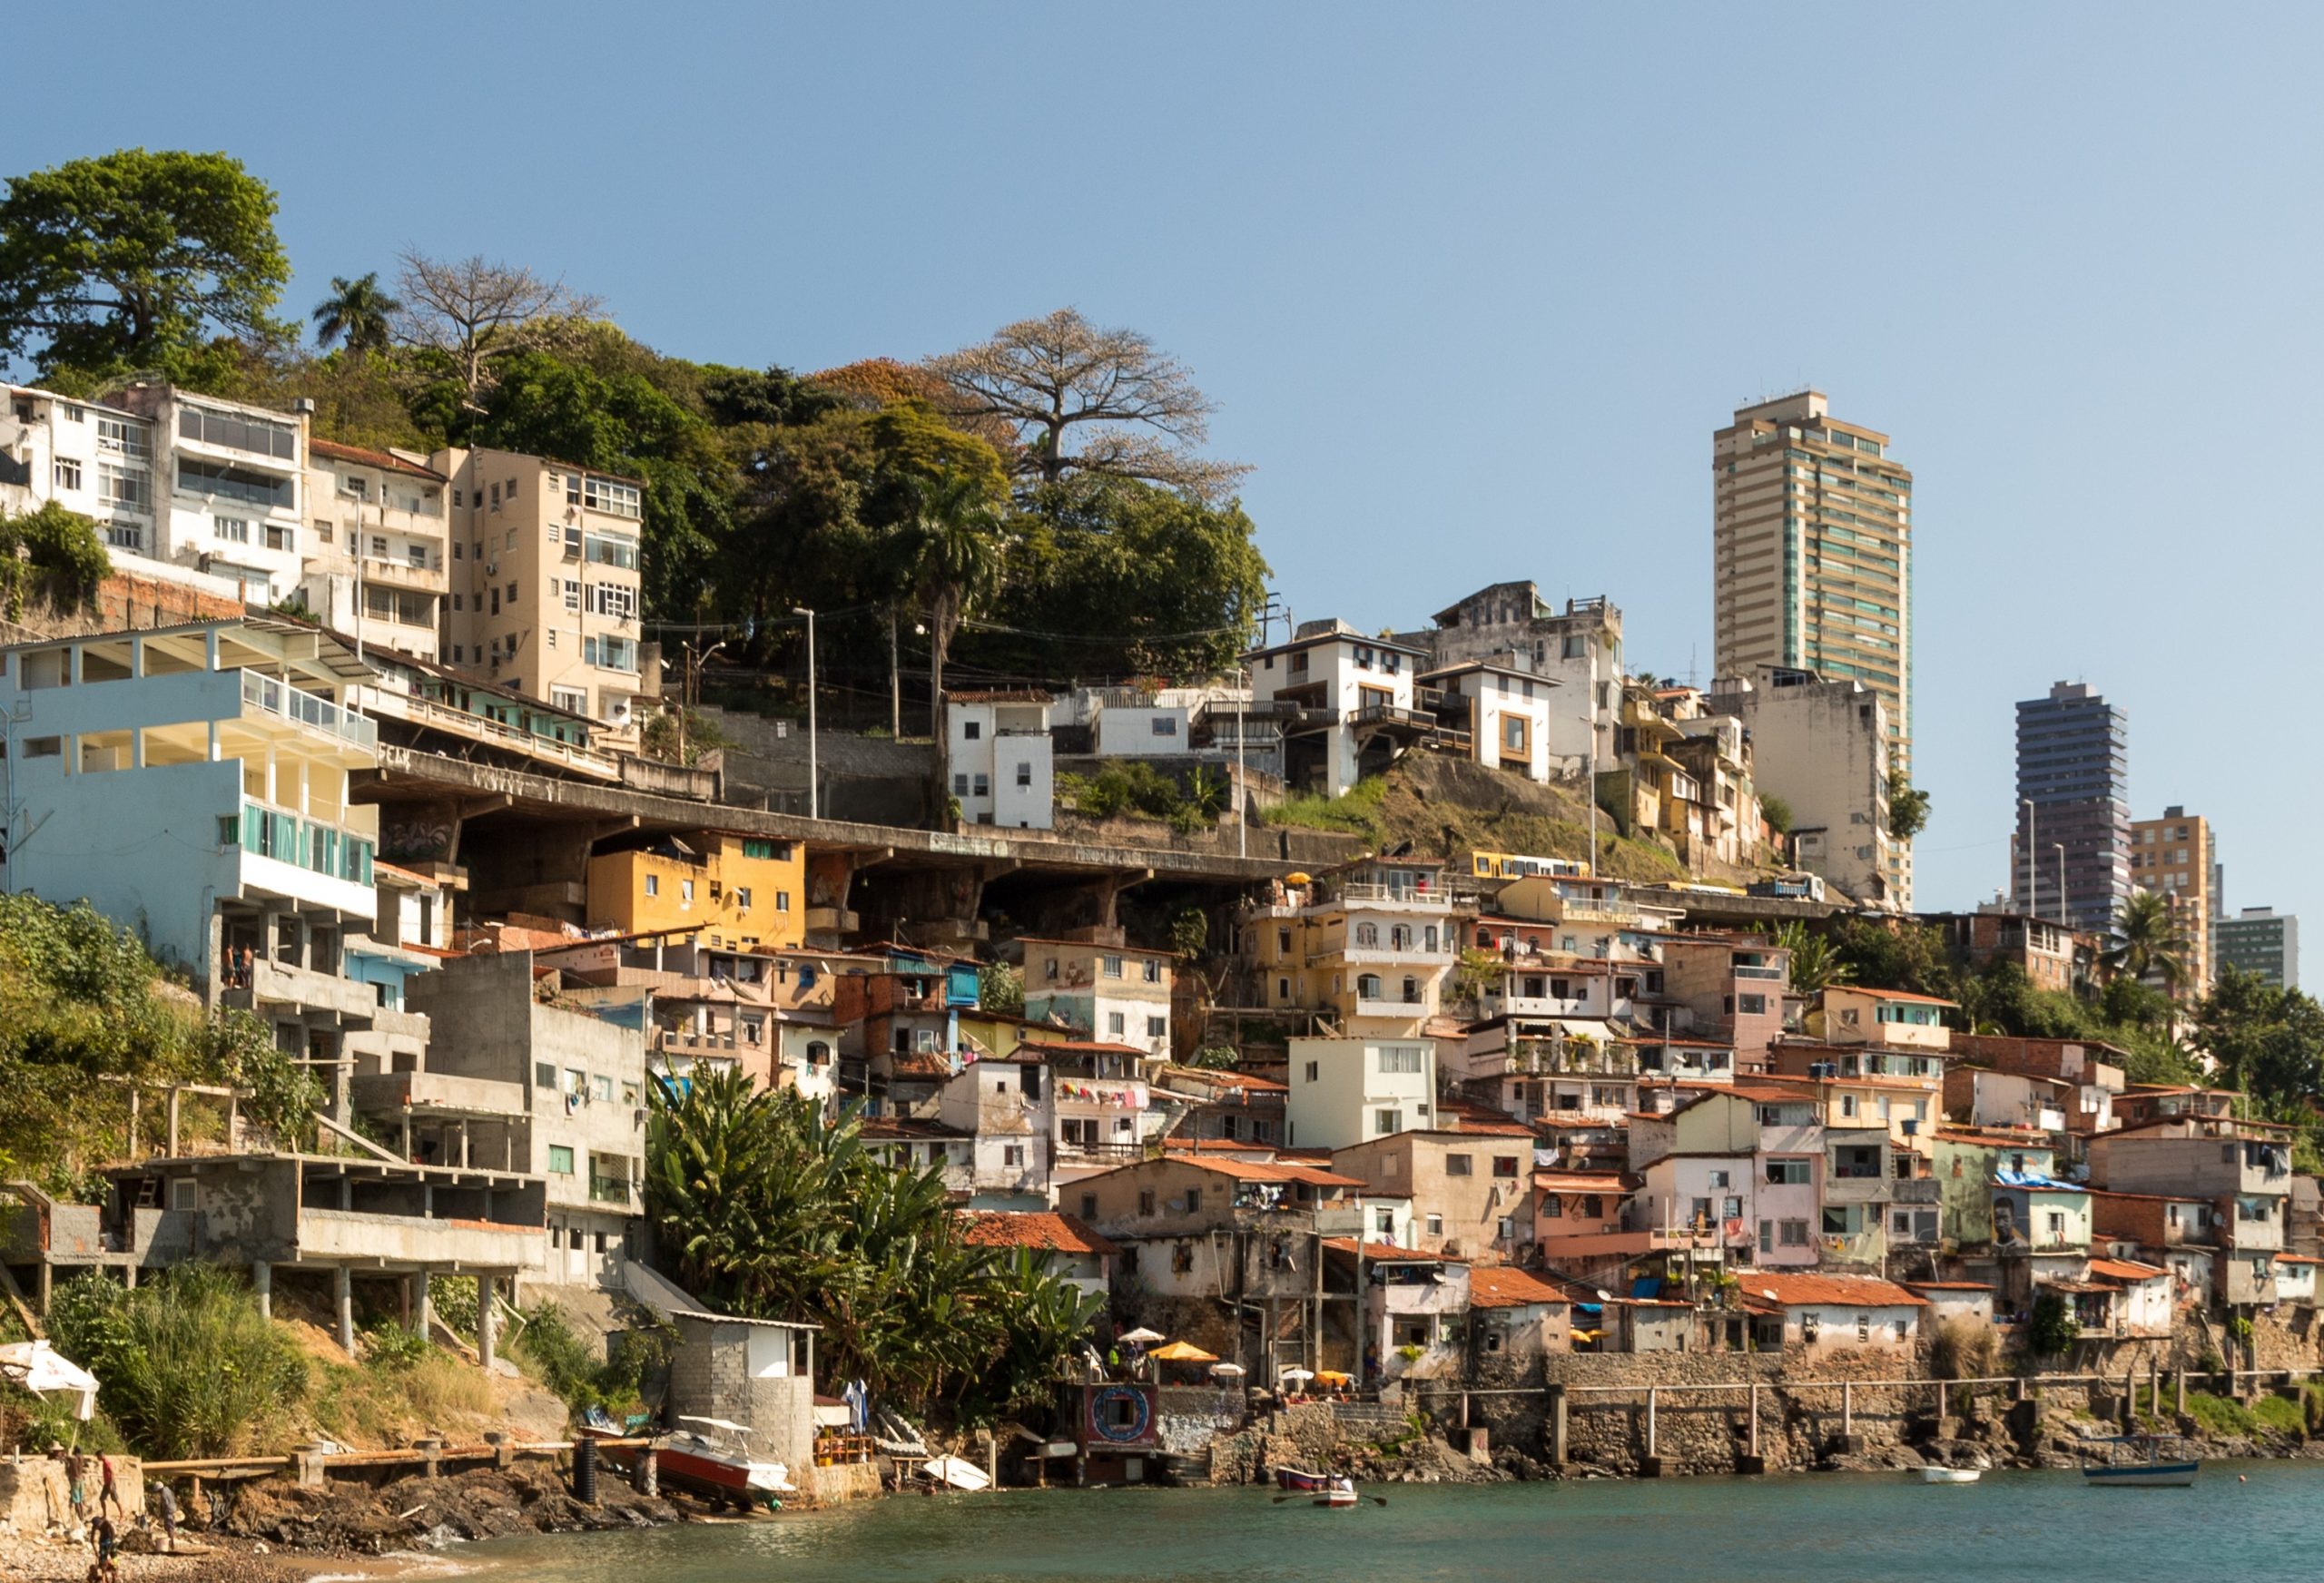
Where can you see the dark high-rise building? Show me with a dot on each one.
(2074, 769)
(2259, 940)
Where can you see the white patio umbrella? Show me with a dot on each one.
(41, 1369)
(1141, 1336)
(1227, 1371)
(1296, 1374)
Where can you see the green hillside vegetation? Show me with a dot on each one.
(86, 1018)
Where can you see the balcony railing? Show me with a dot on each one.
(1744, 971)
(609, 1190)
(280, 698)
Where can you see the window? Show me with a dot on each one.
(1156, 1027)
(1504, 1165)
(1194, 1200)
(1512, 732)
(572, 594)
(1146, 1201)
(232, 530)
(1153, 972)
(1788, 1173)
(1387, 1121)
(1164, 725)
(217, 479)
(611, 653)
(1115, 1024)
(1751, 1005)
(236, 432)
(1367, 934)
(1367, 987)
(1111, 966)
(599, 494)
(601, 1088)
(281, 538)
(742, 897)
(612, 550)
(1312, 1067)
(972, 729)
(560, 1160)
(1024, 773)
(685, 892)
(1458, 1165)
(961, 785)
(653, 884)
(983, 784)
(1012, 1155)
(1400, 1059)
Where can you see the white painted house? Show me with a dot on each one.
(230, 488)
(1354, 697)
(1505, 713)
(1004, 770)
(1350, 1091)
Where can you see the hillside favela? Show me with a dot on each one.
(610, 960)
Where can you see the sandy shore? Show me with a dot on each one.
(45, 1560)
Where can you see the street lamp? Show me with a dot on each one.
(814, 793)
(2032, 885)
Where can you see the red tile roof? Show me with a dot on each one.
(369, 458)
(1500, 1286)
(2128, 1270)
(1388, 1252)
(1893, 994)
(1827, 1291)
(1060, 1233)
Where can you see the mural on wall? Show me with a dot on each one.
(422, 832)
(1119, 1417)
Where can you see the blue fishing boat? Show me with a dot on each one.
(2139, 1462)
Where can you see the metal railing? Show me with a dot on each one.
(281, 698)
(609, 1189)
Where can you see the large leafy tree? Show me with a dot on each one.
(128, 259)
(2149, 941)
(1087, 399)
(473, 314)
(2264, 1039)
(1115, 577)
(360, 314)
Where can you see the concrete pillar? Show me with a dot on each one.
(1848, 1407)
(646, 1473)
(343, 1295)
(1649, 1465)
(1556, 1426)
(262, 1287)
(422, 1308)
(1755, 1419)
(2180, 1375)
(487, 1324)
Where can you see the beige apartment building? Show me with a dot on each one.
(1811, 533)
(2174, 856)
(544, 595)
(375, 557)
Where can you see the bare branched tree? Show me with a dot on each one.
(1128, 410)
(477, 313)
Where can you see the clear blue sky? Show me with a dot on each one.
(1472, 286)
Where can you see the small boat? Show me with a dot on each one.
(716, 1459)
(1950, 1475)
(951, 1473)
(1338, 1492)
(2140, 1462)
(1299, 1481)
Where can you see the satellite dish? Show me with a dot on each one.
(1605, 1297)
(1768, 1292)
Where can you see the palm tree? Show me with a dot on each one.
(1816, 967)
(2149, 942)
(951, 558)
(357, 312)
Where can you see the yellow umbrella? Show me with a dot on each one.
(1182, 1352)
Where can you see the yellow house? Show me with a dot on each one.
(1367, 946)
(742, 891)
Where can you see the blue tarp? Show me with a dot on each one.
(2032, 1179)
(1645, 1286)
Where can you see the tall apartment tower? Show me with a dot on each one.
(1812, 548)
(2074, 769)
(544, 580)
(2259, 940)
(2174, 856)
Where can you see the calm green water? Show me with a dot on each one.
(2010, 1527)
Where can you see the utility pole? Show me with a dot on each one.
(814, 794)
(895, 686)
(2033, 888)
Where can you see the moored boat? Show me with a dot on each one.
(1300, 1480)
(714, 1458)
(1341, 1492)
(2141, 1462)
(1950, 1475)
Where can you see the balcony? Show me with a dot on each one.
(274, 984)
(1413, 1009)
(395, 574)
(386, 1240)
(1551, 1057)
(427, 712)
(1771, 975)
(609, 1190)
(279, 699)
(437, 1092)
(1870, 1187)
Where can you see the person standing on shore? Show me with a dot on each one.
(165, 1502)
(107, 1491)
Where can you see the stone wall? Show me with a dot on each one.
(1188, 1417)
(35, 1495)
